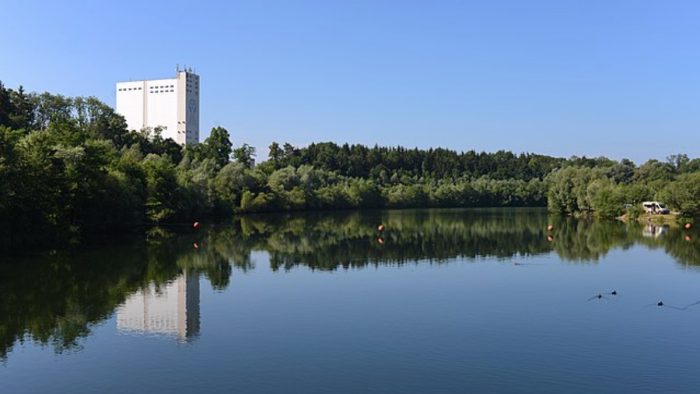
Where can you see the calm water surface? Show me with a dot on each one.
(442, 301)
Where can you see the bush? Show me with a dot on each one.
(635, 211)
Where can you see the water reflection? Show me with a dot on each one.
(329, 241)
(171, 309)
(333, 241)
(654, 231)
(153, 284)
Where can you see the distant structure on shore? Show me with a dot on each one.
(170, 310)
(171, 104)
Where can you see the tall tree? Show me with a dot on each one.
(218, 146)
(23, 105)
(276, 152)
(245, 155)
(6, 108)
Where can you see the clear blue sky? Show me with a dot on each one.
(613, 78)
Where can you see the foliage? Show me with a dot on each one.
(69, 168)
(684, 194)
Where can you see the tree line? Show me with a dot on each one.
(612, 190)
(70, 167)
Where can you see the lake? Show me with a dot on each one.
(441, 301)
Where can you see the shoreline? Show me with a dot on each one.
(670, 219)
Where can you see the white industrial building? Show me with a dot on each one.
(171, 104)
(170, 310)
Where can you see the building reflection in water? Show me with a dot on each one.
(170, 310)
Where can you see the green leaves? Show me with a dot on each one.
(218, 146)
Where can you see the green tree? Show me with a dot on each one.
(161, 187)
(683, 194)
(245, 154)
(276, 153)
(218, 146)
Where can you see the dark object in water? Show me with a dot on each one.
(598, 296)
(661, 303)
(614, 292)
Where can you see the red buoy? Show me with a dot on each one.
(550, 227)
(196, 245)
(195, 225)
(380, 228)
(380, 241)
(550, 238)
(688, 226)
(688, 238)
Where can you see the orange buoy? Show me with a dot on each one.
(550, 238)
(380, 228)
(195, 225)
(688, 238)
(550, 227)
(688, 226)
(380, 241)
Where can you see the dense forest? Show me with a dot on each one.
(69, 167)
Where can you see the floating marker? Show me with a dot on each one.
(550, 238)
(550, 227)
(688, 226)
(196, 245)
(195, 225)
(380, 241)
(614, 292)
(661, 303)
(380, 228)
(688, 238)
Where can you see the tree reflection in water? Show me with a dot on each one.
(55, 299)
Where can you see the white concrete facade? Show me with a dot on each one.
(171, 104)
(170, 310)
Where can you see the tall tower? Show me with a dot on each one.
(170, 104)
(170, 310)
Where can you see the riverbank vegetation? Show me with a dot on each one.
(70, 167)
(611, 189)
